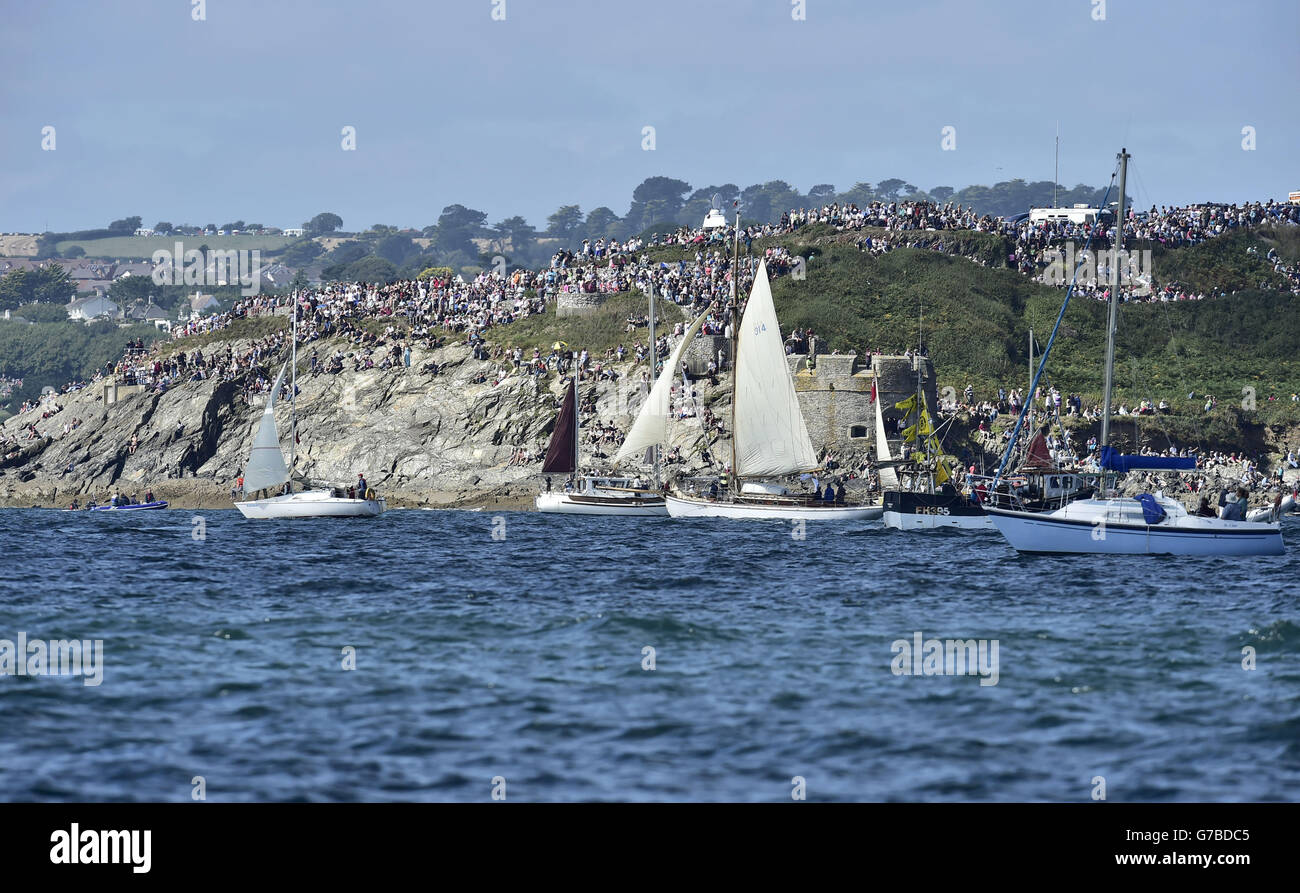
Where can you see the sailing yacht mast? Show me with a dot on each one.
(733, 481)
(1112, 318)
(654, 356)
(293, 397)
(577, 422)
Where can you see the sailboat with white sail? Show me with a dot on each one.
(1148, 524)
(266, 469)
(769, 438)
(596, 494)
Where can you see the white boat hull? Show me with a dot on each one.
(311, 504)
(691, 507)
(575, 504)
(910, 521)
(1266, 514)
(1084, 529)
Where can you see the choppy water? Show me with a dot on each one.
(523, 658)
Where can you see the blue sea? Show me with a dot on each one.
(545, 658)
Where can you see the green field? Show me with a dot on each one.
(143, 247)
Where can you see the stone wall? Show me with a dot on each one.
(578, 303)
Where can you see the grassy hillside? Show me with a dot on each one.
(977, 319)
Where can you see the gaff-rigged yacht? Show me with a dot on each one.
(267, 470)
(769, 437)
(1148, 524)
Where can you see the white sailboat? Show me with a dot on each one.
(1149, 524)
(595, 494)
(266, 469)
(769, 437)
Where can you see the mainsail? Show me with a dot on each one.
(562, 454)
(888, 477)
(651, 425)
(771, 437)
(266, 466)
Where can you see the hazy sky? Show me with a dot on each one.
(240, 116)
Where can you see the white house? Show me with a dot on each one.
(201, 304)
(93, 307)
(295, 231)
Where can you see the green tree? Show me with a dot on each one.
(162, 227)
(397, 249)
(457, 228)
(565, 224)
(45, 284)
(601, 222)
(657, 199)
(125, 226)
(323, 223)
(941, 194)
(371, 269)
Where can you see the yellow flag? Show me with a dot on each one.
(907, 405)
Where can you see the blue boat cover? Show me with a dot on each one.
(1151, 509)
(1113, 460)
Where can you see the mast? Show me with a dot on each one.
(293, 397)
(733, 480)
(920, 396)
(577, 423)
(1056, 173)
(654, 357)
(1113, 316)
(1031, 363)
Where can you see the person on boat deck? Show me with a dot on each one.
(829, 495)
(713, 490)
(548, 483)
(1205, 510)
(148, 495)
(362, 486)
(1235, 510)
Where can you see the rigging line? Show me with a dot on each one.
(1042, 362)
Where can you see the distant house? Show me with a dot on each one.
(94, 307)
(133, 269)
(144, 232)
(201, 304)
(9, 317)
(295, 231)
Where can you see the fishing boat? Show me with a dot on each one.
(1148, 524)
(769, 438)
(608, 494)
(266, 469)
(923, 495)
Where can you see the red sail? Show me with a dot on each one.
(1039, 457)
(562, 452)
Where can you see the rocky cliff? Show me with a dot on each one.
(422, 439)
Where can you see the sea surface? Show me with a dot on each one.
(507, 653)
